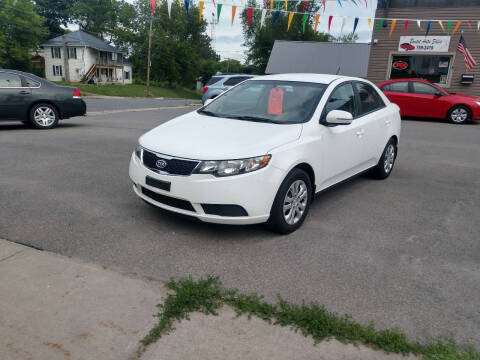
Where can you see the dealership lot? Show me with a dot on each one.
(403, 252)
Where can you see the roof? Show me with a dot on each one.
(313, 78)
(350, 59)
(81, 38)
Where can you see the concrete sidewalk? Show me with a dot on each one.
(53, 307)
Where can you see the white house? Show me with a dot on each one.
(79, 56)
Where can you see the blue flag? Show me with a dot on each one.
(429, 24)
(355, 24)
(275, 16)
(187, 3)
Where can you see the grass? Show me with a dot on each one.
(208, 295)
(134, 90)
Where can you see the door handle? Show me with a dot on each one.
(24, 92)
(360, 133)
(388, 122)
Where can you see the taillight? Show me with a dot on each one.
(76, 94)
(205, 89)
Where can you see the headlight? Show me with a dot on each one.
(478, 103)
(138, 152)
(233, 167)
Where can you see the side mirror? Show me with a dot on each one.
(339, 117)
(208, 101)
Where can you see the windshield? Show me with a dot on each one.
(280, 102)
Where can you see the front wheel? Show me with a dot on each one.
(292, 202)
(459, 115)
(44, 116)
(387, 161)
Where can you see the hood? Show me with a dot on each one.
(201, 137)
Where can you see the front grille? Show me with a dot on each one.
(167, 200)
(172, 166)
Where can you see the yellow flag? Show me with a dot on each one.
(440, 22)
(179, 2)
(456, 27)
(200, 10)
(392, 27)
(290, 17)
(286, 5)
(234, 10)
(317, 17)
(369, 23)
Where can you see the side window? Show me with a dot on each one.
(213, 80)
(425, 89)
(30, 83)
(8, 80)
(235, 80)
(370, 100)
(72, 53)
(397, 87)
(342, 98)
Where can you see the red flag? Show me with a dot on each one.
(265, 3)
(324, 5)
(469, 24)
(330, 18)
(152, 5)
(249, 16)
(406, 27)
(304, 5)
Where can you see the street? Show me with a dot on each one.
(402, 252)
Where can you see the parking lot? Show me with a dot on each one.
(404, 252)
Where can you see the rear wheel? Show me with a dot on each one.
(387, 161)
(44, 116)
(459, 115)
(292, 202)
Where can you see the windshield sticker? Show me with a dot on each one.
(275, 101)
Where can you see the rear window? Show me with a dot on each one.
(30, 83)
(214, 80)
(235, 80)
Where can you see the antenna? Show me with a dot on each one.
(338, 71)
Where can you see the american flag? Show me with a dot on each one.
(469, 60)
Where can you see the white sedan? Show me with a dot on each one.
(260, 151)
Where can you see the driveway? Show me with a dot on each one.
(403, 252)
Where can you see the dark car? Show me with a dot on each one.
(36, 101)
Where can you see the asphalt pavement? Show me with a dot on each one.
(404, 252)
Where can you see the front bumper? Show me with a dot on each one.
(254, 192)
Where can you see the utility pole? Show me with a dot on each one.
(149, 53)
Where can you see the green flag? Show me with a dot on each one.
(379, 25)
(304, 22)
(219, 10)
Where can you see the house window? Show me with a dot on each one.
(114, 56)
(127, 75)
(434, 68)
(57, 70)
(72, 53)
(56, 53)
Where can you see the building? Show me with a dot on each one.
(433, 57)
(79, 56)
(319, 57)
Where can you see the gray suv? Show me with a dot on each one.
(219, 83)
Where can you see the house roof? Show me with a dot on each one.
(81, 38)
(349, 59)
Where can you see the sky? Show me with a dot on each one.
(229, 37)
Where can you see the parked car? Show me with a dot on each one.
(36, 101)
(219, 83)
(261, 150)
(419, 98)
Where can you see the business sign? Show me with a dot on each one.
(400, 65)
(424, 43)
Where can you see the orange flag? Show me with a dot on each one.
(234, 10)
(317, 17)
(456, 27)
(392, 27)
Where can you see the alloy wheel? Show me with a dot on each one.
(44, 116)
(295, 202)
(389, 158)
(459, 115)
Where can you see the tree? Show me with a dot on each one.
(97, 17)
(347, 38)
(181, 50)
(22, 30)
(56, 13)
(259, 41)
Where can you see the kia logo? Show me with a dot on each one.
(161, 164)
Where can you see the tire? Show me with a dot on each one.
(387, 161)
(297, 182)
(44, 116)
(459, 115)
